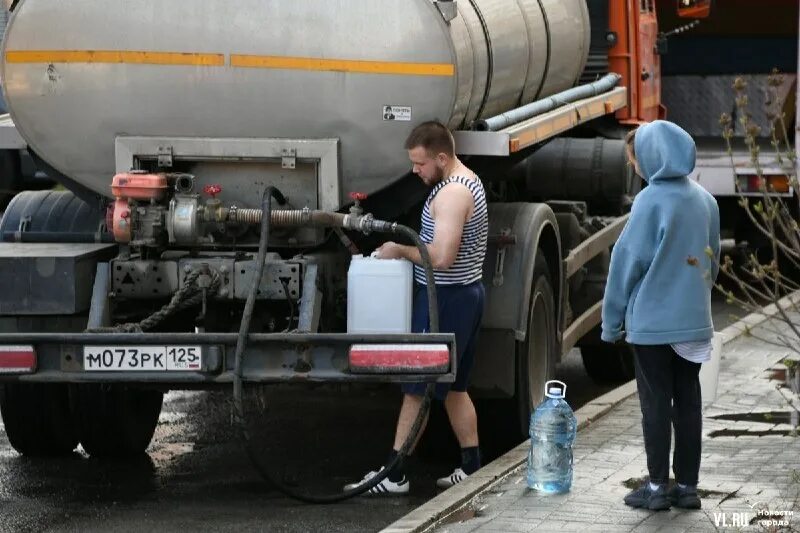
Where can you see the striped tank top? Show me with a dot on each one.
(468, 266)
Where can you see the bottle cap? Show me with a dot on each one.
(552, 391)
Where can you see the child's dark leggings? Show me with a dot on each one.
(669, 393)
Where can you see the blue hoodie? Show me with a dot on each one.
(660, 279)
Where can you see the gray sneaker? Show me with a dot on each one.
(644, 498)
(685, 498)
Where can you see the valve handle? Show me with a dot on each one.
(212, 190)
(358, 196)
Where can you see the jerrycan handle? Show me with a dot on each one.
(557, 394)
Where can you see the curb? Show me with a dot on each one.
(428, 515)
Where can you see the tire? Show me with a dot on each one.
(607, 363)
(504, 423)
(114, 420)
(537, 354)
(53, 213)
(37, 419)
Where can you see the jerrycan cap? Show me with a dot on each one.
(555, 389)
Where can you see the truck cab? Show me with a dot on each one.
(699, 70)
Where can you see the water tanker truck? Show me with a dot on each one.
(165, 121)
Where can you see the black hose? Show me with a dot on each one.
(241, 343)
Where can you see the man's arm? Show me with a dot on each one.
(452, 206)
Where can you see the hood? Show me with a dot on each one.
(663, 151)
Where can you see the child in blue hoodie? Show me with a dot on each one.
(658, 296)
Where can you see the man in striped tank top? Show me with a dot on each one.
(455, 228)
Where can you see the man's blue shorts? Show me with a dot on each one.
(460, 312)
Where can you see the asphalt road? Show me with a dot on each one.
(196, 476)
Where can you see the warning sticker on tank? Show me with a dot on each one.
(397, 112)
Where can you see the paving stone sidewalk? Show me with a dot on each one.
(749, 469)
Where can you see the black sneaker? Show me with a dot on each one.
(684, 498)
(644, 498)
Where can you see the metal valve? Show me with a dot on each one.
(357, 198)
(212, 190)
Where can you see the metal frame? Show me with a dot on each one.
(588, 249)
(539, 128)
(325, 151)
(269, 358)
(311, 302)
(579, 256)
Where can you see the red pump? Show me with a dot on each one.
(133, 186)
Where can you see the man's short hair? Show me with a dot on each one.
(434, 137)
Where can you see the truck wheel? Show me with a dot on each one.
(37, 419)
(504, 423)
(115, 420)
(536, 355)
(53, 213)
(608, 363)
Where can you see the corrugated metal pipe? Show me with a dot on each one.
(515, 116)
(293, 218)
(288, 217)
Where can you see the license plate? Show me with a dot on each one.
(142, 358)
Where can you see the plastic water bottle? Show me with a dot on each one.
(552, 430)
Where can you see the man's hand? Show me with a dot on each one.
(389, 250)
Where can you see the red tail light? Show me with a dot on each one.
(399, 358)
(772, 183)
(17, 359)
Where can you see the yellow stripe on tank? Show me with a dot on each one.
(343, 65)
(115, 56)
(236, 60)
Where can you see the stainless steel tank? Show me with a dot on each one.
(78, 74)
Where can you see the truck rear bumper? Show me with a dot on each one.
(268, 358)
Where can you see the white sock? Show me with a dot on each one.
(654, 486)
(681, 485)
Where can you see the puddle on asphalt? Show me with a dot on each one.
(636, 482)
(787, 374)
(748, 433)
(791, 418)
(769, 417)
